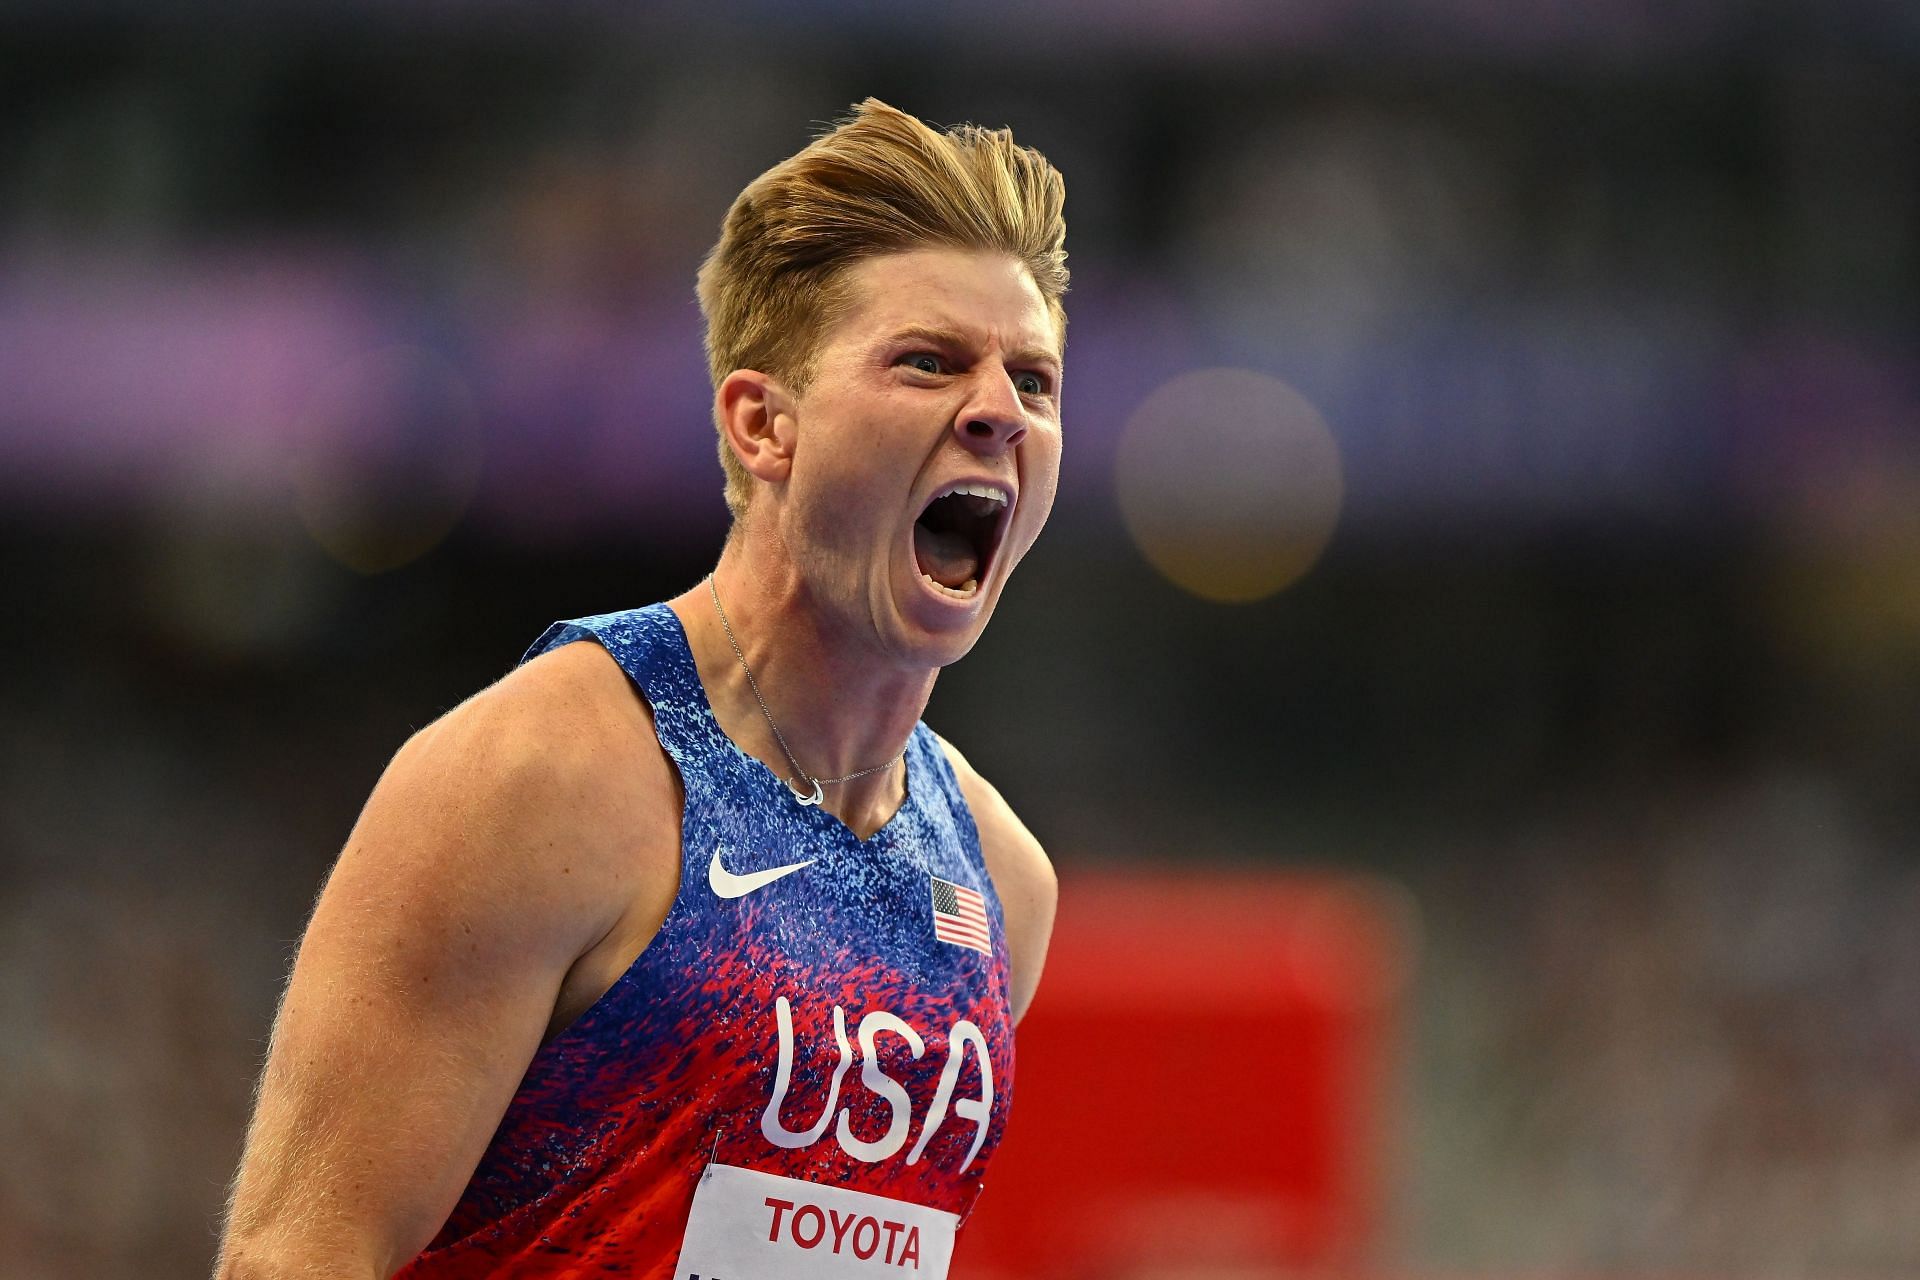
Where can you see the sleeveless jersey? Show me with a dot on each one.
(812, 1061)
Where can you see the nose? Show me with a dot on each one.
(992, 419)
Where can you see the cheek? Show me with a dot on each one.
(836, 460)
(1036, 504)
(1040, 470)
(1038, 514)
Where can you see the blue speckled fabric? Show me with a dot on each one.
(593, 1168)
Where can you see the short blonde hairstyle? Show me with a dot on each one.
(879, 182)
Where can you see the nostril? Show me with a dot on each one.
(980, 430)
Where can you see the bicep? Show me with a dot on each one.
(420, 993)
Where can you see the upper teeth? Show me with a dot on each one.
(994, 492)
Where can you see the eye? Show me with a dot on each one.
(924, 362)
(1030, 384)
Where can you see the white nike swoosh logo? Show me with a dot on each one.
(729, 885)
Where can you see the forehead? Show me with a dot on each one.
(981, 295)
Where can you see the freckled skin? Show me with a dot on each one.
(594, 1165)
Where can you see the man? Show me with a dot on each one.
(586, 989)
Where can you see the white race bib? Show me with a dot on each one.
(748, 1225)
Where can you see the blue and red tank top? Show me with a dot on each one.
(803, 1074)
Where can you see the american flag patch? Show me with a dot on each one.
(960, 916)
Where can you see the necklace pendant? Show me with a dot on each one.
(808, 801)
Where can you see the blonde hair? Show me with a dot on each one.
(879, 182)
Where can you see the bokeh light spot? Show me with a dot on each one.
(390, 461)
(1230, 483)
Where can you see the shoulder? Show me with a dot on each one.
(530, 791)
(1023, 876)
(566, 728)
(1013, 853)
(500, 845)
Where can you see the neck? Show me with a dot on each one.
(840, 705)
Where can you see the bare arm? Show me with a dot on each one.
(469, 888)
(1023, 879)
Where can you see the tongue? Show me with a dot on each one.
(947, 558)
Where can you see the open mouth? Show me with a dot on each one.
(955, 537)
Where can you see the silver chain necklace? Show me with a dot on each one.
(803, 797)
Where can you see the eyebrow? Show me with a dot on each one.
(954, 338)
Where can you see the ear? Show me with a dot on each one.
(756, 416)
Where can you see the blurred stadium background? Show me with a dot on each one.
(1493, 486)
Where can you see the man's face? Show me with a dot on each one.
(945, 373)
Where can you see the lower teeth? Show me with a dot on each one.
(966, 588)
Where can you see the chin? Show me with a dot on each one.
(935, 628)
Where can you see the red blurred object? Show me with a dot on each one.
(1202, 1081)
